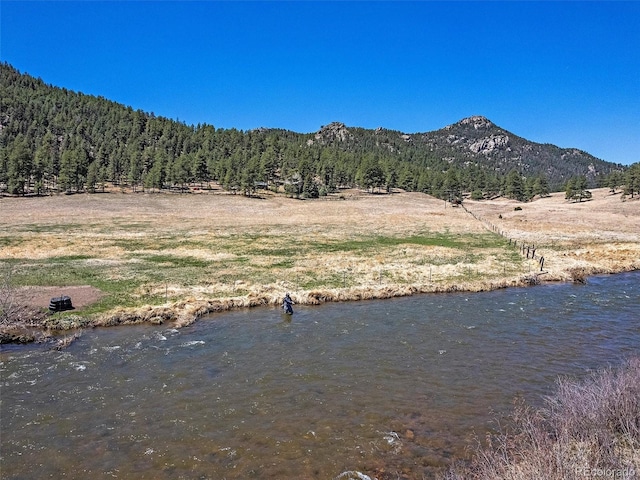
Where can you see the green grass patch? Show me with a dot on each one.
(66, 259)
(133, 226)
(52, 228)
(214, 244)
(277, 251)
(286, 263)
(175, 261)
(377, 243)
(9, 241)
(132, 245)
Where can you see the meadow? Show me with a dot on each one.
(129, 258)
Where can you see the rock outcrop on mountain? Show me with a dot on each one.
(334, 132)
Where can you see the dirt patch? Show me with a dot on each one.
(39, 297)
(30, 311)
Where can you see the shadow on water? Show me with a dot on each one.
(379, 388)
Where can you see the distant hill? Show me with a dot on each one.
(56, 140)
(478, 141)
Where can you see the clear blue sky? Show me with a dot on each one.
(566, 73)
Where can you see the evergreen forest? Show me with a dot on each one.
(54, 140)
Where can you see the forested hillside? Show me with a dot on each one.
(56, 140)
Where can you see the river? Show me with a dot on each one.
(379, 388)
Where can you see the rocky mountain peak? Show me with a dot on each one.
(478, 135)
(477, 122)
(332, 132)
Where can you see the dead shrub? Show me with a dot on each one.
(530, 279)
(579, 274)
(65, 341)
(585, 427)
(8, 307)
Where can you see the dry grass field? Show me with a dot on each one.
(170, 257)
(597, 236)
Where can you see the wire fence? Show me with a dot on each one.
(527, 249)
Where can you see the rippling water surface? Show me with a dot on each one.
(385, 388)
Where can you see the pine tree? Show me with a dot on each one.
(92, 177)
(370, 175)
(570, 188)
(269, 164)
(19, 167)
(541, 186)
(200, 172)
(134, 176)
(452, 186)
(156, 176)
(514, 186)
(577, 189)
(632, 180)
(614, 180)
(310, 189)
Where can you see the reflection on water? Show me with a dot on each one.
(379, 388)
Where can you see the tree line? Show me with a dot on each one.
(55, 140)
(628, 183)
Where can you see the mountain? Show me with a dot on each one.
(55, 140)
(476, 141)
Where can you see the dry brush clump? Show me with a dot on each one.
(588, 429)
(8, 306)
(66, 340)
(18, 323)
